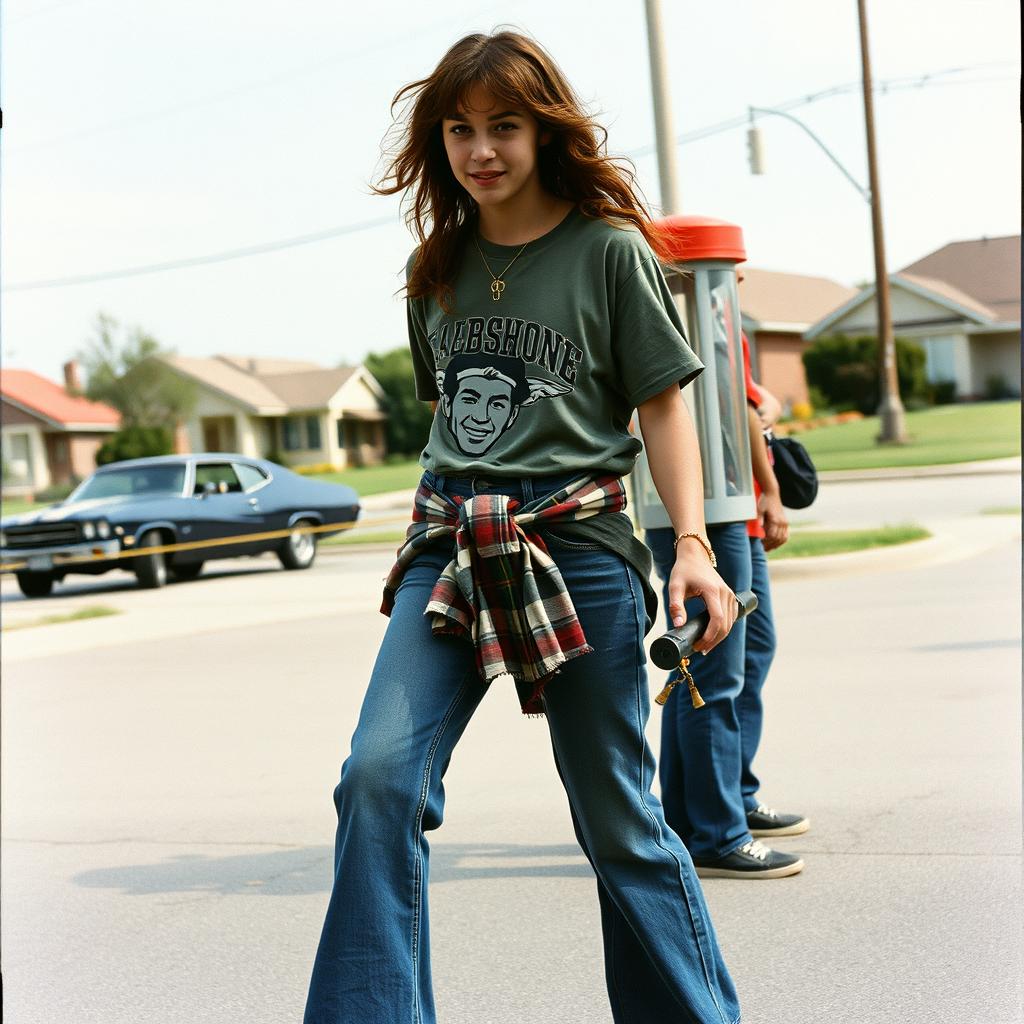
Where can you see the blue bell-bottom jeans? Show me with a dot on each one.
(705, 765)
(662, 960)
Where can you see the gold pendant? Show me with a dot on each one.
(497, 287)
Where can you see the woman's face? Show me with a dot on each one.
(492, 149)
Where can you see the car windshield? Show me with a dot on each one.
(168, 478)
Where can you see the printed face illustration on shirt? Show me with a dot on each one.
(481, 398)
(481, 411)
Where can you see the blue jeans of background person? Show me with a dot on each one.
(760, 650)
(662, 960)
(701, 759)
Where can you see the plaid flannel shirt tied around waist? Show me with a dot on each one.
(503, 590)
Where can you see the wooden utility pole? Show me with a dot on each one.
(890, 408)
(664, 135)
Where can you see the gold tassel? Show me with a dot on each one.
(666, 693)
(695, 697)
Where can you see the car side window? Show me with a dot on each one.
(250, 476)
(217, 473)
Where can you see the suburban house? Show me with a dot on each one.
(777, 309)
(300, 412)
(50, 434)
(961, 303)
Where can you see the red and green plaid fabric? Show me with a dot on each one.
(503, 590)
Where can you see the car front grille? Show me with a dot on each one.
(41, 535)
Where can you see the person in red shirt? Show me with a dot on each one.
(709, 789)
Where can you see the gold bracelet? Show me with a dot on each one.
(705, 544)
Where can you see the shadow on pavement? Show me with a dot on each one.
(308, 870)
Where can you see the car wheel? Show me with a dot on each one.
(298, 549)
(187, 572)
(35, 584)
(151, 570)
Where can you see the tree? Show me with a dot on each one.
(122, 368)
(408, 418)
(127, 374)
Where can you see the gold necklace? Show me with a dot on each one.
(497, 284)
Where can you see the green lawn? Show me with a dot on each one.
(949, 433)
(810, 543)
(91, 611)
(367, 480)
(14, 506)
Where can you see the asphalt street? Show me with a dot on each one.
(167, 777)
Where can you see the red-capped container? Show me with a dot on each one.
(687, 238)
(699, 257)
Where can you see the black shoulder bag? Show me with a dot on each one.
(798, 479)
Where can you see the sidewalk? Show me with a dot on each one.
(987, 467)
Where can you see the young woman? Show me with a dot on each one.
(538, 321)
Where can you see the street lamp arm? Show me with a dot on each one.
(865, 194)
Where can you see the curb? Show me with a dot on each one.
(950, 541)
(992, 467)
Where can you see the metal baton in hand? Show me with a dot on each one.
(675, 648)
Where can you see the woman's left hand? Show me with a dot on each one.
(693, 576)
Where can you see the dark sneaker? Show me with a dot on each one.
(752, 860)
(767, 822)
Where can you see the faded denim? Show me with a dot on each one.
(662, 960)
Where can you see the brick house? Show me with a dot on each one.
(49, 434)
(777, 309)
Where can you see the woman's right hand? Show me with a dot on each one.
(693, 576)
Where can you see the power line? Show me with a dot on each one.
(303, 71)
(195, 261)
(921, 81)
(926, 80)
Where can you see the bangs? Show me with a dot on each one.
(514, 80)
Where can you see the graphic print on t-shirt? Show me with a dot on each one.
(488, 368)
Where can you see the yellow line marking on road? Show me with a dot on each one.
(214, 542)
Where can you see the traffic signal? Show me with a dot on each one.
(755, 153)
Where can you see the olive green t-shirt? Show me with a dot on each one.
(545, 379)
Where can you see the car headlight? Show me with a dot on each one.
(103, 529)
(88, 531)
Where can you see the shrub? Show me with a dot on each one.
(315, 469)
(135, 443)
(273, 455)
(996, 388)
(802, 410)
(844, 371)
(943, 392)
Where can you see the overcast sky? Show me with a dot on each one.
(143, 133)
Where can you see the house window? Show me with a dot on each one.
(939, 359)
(312, 431)
(17, 460)
(290, 434)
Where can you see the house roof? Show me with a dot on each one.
(226, 377)
(266, 386)
(51, 401)
(987, 270)
(309, 389)
(794, 301)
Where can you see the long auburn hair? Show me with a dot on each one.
(573, 165)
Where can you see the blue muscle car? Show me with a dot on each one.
(170, 499)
